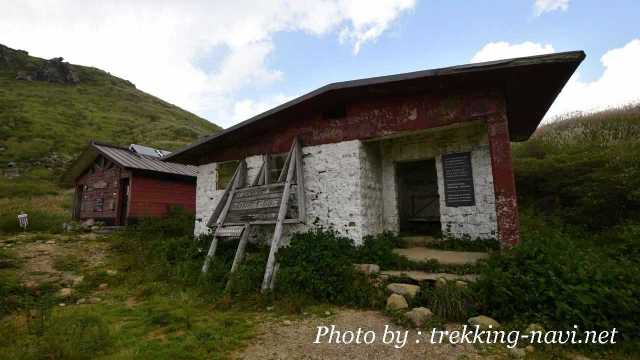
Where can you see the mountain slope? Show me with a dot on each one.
(50, 109)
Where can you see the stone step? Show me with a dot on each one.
(415, 241)
(444, 257)
(420, 276)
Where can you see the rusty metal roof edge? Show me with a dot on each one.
(163, 166)
(567, 56)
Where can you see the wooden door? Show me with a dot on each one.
(418, 199)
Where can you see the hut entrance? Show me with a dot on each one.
(418, 199)
(124, 201)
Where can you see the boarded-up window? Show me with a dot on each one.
(225, 172)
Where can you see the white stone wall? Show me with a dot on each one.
(333, 197)
(351, 186)
(477, 221)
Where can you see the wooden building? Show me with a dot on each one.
(117, 185)
(415, 153)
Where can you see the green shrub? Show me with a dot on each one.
(448, 302)
(319, 264)
(553, 278)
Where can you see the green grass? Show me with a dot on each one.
(45, 125)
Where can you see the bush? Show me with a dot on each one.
(448, 302)
(554, 279)
(319, 265)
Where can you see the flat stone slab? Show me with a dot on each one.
(442, 256)
(416, 275)
(415, 241)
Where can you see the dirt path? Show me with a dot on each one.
(295, 340)
(38, 253)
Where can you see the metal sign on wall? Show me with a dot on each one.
(458, 180)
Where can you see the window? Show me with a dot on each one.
(224, 173)
(276, 163)
(99, 205)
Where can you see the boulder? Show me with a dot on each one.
(517, 353)
(367, 268)
(103, 286)
(534, 327)
(483, 322)
(112, 272)
(461, 284)
(77, 280)
(406, 290)
(396, 302)
(441, 282)
(64, 293)
(419, 316)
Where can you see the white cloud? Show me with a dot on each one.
(161, 46)
(246, 108)
(504, 50)
(618, 84)
(542, 6)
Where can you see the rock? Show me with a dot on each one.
(534, 327)
(461, 284)
(396, 302)
(530, 348)
(406, 290)
(419, 316)
(367, 268)
(327, 313)
(51, 242)
(23, 75)
(12, 300)
(103, 286)
(77, 280)
(64, 293)
(81, 301)
(94, 300)
(31, 284)
(483, 322)
(270, 308)
(440, 282)
(287, 322)
(87, 224)
(576, 356)
(517, 353)
(112, 272)
(62, 304)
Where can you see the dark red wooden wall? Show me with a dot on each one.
(152, 196)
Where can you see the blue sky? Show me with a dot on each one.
(228, 61)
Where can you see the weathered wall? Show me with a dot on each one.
(333, 175)
(351, 186)
(477, 221)
(152, 196)
(101, 184)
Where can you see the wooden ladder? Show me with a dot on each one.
(234, 216)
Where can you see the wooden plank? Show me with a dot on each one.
(241, 246)
(210, 254)
(302, 211)
(223, 214)
(257, 179)
(277, 234)
(216, 212)
(285, 166)
(267, 168)
(229, 231)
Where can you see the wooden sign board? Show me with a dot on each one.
(229, 231)
(255, 204)
(458, 180)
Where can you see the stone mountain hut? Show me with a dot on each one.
(414, 153)
(117, 185)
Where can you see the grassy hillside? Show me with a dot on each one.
(50, 110)
(583, 169)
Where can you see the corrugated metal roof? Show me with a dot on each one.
(126, 158)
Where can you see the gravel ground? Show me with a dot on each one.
(295, 340)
